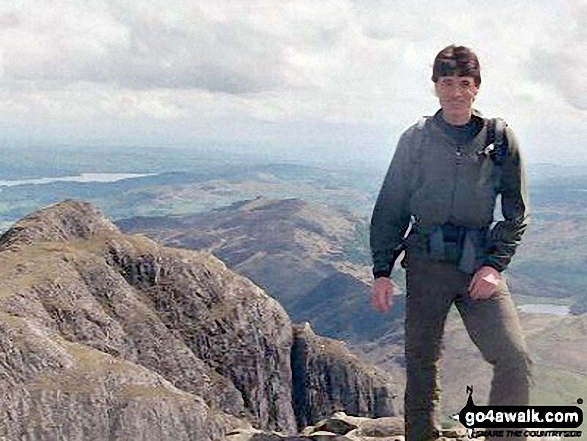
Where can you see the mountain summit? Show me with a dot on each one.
(110, 336)
(66, 221)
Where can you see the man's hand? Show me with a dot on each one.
(381, 294)
(484, 283)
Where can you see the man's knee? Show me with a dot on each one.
(419, 357)
(516, 365)
(423, 348)
(516, 359)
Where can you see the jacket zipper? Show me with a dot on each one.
(459, 154)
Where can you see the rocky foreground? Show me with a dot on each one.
(343, 427)
(105, 336)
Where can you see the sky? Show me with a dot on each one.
(331, 80)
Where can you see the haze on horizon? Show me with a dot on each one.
(332, 80)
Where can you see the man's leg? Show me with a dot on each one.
(428, 301)
(494, 327)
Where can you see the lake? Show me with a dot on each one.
(84, 177)
(544, 308)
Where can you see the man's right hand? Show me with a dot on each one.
(381, 294)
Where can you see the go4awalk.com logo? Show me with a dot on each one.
(518, 421)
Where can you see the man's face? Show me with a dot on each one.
(456, 95)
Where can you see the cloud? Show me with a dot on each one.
(560, 62)
(224, 46)
(301, 57)
(296, 63)
(140, 46)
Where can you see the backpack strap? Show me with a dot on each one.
(418, 150)
(419, 136)
(500, 150)
(496, 136)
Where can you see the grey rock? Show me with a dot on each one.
(223, 318)
(273, 437)
(327, 378)
(457, 431)
(334, 425)
(62, 222)
(382, 427)
(269, 437)
(55, 389)
(176, 314)
(352, 436)
(109, 336)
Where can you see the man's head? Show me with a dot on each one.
(456, 61)
(457, 77)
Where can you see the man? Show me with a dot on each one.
(442, 185)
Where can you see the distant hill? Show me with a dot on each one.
(314, 259)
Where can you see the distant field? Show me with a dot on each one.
(550, 264)
(559, 387)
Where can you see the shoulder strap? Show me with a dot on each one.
(419, 135)
(422, 122)
(417, 152)
(416, 157)
(496, 136)
(419, 141)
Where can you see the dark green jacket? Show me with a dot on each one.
(434, 181)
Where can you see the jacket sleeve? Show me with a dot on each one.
(391, 215)
(506, 235)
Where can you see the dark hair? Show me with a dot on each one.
(456, 60)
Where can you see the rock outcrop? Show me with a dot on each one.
(301, 253)
(328, 379)
(343, 427)
(108, 336)
(54, 389)
(69, 220)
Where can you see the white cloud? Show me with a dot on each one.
(204, 63)
(560, 61)
(138, 45)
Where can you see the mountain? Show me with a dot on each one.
(336, 304)
(549, 266)
(313, 259)
(105, 335)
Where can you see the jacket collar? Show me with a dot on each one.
(474, 114)
(471, 146)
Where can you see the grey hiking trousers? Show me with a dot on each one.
(492, 324)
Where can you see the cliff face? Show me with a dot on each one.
(102, 333)
(302, 254)
(177, 318)
(328, 379)
(286, 245)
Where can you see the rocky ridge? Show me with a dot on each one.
(303, 254)
(261, 238)
(104, 333)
